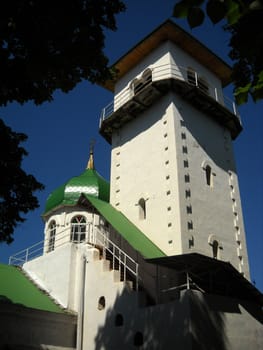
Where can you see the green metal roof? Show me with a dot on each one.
(89, 182)
(126, 229)
(16, 288)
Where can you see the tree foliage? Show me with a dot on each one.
(45, 45)
(16, 187)
(244, 20)
(52, 44)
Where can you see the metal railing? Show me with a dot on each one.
(94, 236)
(27, 254)
(120, 260)
(171, 71)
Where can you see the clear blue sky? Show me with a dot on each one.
(60, 132)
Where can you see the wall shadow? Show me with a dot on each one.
(187, 323)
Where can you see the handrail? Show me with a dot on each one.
(170, 71)
(118, 254)
(94, 237)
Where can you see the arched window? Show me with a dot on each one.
(101, 303)
(138, 84)
(215, 247)
(51, 236)
(78, 229)
(147, 76)
(138, 339)
(203, 85)
(191, 76)
(142, 209)
(135, 85)
(208, 175)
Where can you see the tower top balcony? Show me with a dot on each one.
(156, 81)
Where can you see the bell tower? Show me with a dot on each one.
(172, 164)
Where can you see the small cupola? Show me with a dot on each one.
(90, 182)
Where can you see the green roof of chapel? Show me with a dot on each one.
(16, 288)
(90, 182)
(132, 234)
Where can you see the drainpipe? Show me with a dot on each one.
(81, 304)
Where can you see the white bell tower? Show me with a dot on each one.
(171, 129)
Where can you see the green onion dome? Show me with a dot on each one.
(89, 182)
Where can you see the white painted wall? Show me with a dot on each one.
(143, 167)
(58, 271)
(216, 210)
(160, 156)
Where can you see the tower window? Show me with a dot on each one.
(215, 247)
(202, 84)
(138, 84)
(142, 209)
(147, 76)
(51, 236)
(208, 175)
(101, 303)
(135, 85)
(191, 76)
(78, 229)
(138, 339)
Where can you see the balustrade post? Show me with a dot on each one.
(234, 108)
(26, 255)
(137, 278)
(216, 97)
(124, 272)
(196, 79)
(113, 257)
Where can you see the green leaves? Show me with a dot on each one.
(233, 12)
(191, 10)
(195, 17)
(241, 94)
(244, 20)
(16, 186)
(216, 10)
(180, 10)
(44, 49)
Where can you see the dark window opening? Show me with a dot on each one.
(202, 84)
(101, 303)
(138, 339)
(208, 175)
(215, 247)
(191, 76)
(139, 84)
(142, 209)
(119, 320)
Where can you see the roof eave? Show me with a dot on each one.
(172, 32)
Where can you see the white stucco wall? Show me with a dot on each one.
(54, 272)
(216, 209)
(160, 156)
(193, 318)
(144, 166)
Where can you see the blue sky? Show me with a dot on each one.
(59, 132)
